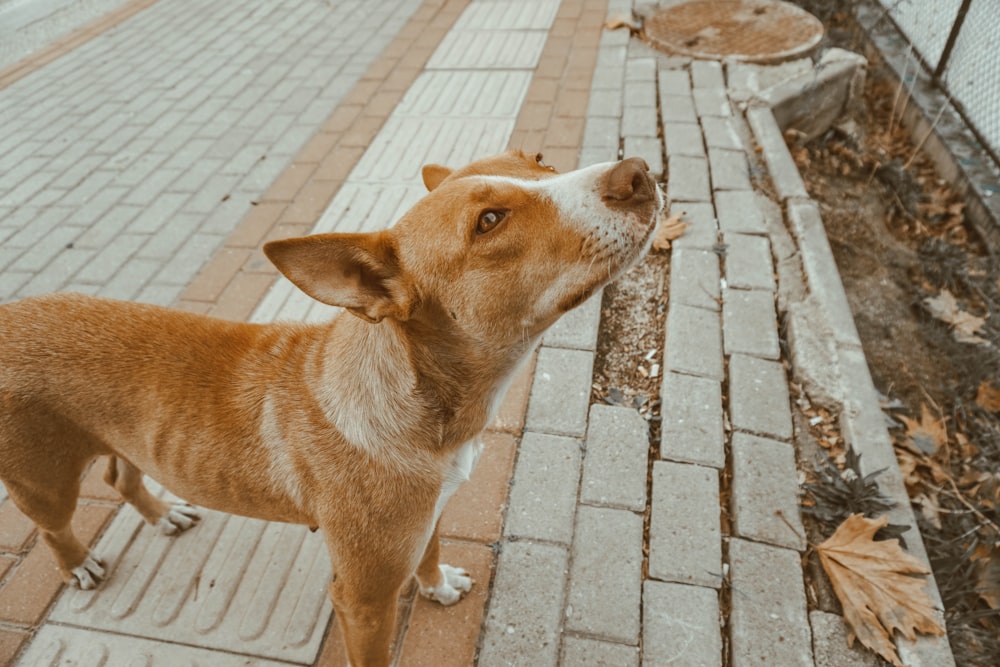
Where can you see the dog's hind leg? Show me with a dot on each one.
(51, 506)
(127, 480)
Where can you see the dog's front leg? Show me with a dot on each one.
(365, 594)
(439, 581)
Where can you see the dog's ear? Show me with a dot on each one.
(433, 174)
(359, 272)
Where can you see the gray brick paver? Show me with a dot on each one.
(749, 323)
(685, 540)
(683, 139)
(680, 625)
(692, 426)
(561, 392)
(748, 262)
(765, 483)
(702, 231)
(689, 179)
(587, 652)
(729, 169)
(759, 400)
(605, 584)
(614, 468)
(694, 341)
(768, 622)
(694, 278)
(526, 609)
(544, 489)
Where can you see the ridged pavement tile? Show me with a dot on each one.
(230, 584)
(59, 645)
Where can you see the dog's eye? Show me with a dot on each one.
(489, 219)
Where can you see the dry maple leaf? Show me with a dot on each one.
(927, 435)
(964, 325)
(670, 229)
(873, 582)
(988, 396)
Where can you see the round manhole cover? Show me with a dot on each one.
(754, 31)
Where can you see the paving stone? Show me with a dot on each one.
(703, 231)
(640, 93)
(602, 132)
(683, 139)
(721, 133)
(694, 341)
(729, 169)
(55, 644)
(605, 584)
(692, 420)
(830, 649)
(758, 396)
(821, 270)
(784, 174)
(649, 149)
(680, 625)
(544, 488)
(526, 611)
(577, 329)
(605, 103)
(711, 102)
(587, 652)
(677, 109)
(768, 622)
(749, 324)
(674, 82)
(614, 468)
(707, 74)
(207, 584)
(638, 121)
(694, 278)
(748, 262)
(640, 69)
(688, 179)
(485, 48)
(765, 483)
(739, 211)
(685, 541)
(560, 394)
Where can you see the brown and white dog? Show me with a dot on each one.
(363, 426)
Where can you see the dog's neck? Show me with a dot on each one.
(413, 382)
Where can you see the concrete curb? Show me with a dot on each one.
(816, 360)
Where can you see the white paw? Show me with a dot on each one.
(455, 581)
(179, 518)
(89, 573)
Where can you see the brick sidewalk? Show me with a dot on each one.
(163, 197)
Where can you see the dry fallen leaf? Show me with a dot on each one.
(873, 582)
(987, 561)
(927, 435)
(670, 229)
(964, 325)
(988, 396)
(620, 21)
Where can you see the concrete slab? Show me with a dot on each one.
(681, 625)
(758, 400)
(614, 468)
(692, 430)
(543, 492)
(765, 481)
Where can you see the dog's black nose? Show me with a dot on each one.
(628, 182)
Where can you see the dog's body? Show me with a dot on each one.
(363, 426)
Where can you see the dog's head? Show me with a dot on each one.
(497, 250)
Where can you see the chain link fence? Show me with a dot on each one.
(959, 42)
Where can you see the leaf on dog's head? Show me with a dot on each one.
(880, 587)
(670, 229)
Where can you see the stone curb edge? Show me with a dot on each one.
(861, 416)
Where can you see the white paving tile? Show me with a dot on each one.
(64, 646)
(230, 584)
(489, 49)
(509, 15)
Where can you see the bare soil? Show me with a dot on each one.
(901, 240)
